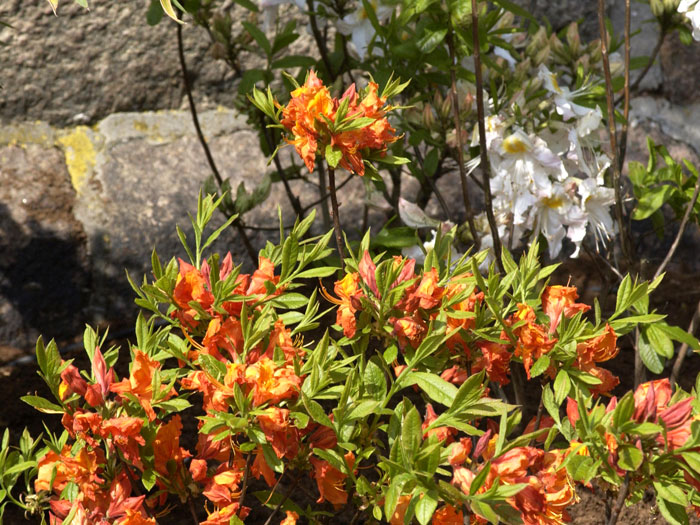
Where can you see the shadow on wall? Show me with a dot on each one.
(44, 282)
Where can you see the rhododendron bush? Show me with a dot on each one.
(400, 411)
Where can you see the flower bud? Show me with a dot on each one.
(573, 38)
(428, 116)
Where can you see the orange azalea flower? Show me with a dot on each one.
(214, 394)
(198, 469)
(223, 515)
(495, 359)
(135, 518)
(291, 518)
(428, 294)
(125, 433)
(348, 301)
(650, 398)
(397, 518)
(280, 434)
(71, 383)
(410, 330)
(460, 452)
(271, 383)
(191, 286)
(223, 334)
(448, 515)
(311, 104)
(445, 434)
(331, 481)
(264, 273)
(140, 382)
(166, 447)
(598, 349)
(558, 300)
(533, 341)
(261, 468)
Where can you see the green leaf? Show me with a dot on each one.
(323, 271)
(436, 388)
(649, 356)
(361, 409)
(259, 37)
(659, 341)
(562, 386)
(431, 39)
(672, 512)
(651, 200)
(540, 366)
(316, 411)
(671, 493)
(425, 508)
(411, 435)
(154, 14)
(374, 379)
(333, 156)
(43, 405)
(630, 457)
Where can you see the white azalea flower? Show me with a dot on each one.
(358, 25)
(551, 212)
(563, 96)
(596, 200)
(691, 9)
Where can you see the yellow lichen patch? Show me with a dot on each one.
(80, 155)
(140, 125)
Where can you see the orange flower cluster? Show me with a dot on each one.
(310, 110)
(548, 490)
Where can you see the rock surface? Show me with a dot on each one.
(81, 66)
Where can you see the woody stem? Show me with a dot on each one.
(246, 475)
(336, 217)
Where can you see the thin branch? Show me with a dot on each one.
(293, 199)
(620, 501)
(318, 37)
(246, 476)
(458, 124)
(212, 165)
(286, 497)
(323, 193)
(612, 131)
(193, 512)
(626, 95)
(438, 194)
(652, 59)
(681, 230)
(336, 216)
(485, 166)
(684, 348)
(322, 199)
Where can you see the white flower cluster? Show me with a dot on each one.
(691, 9)
(551, 183)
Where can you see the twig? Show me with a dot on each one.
(323, 194)
(681, 230)
(619, 502)
(293, 199)
(485, 166)
(652, 59)
(286, 496)
(626, 95)
(212, 165)
(193, 512)
(322, 199)
(246, 475)
(433, 186)
(684, 348)
(612, 131)
(458, 124)
(336, 217)
(320, 41)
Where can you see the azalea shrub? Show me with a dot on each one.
(392, 392)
